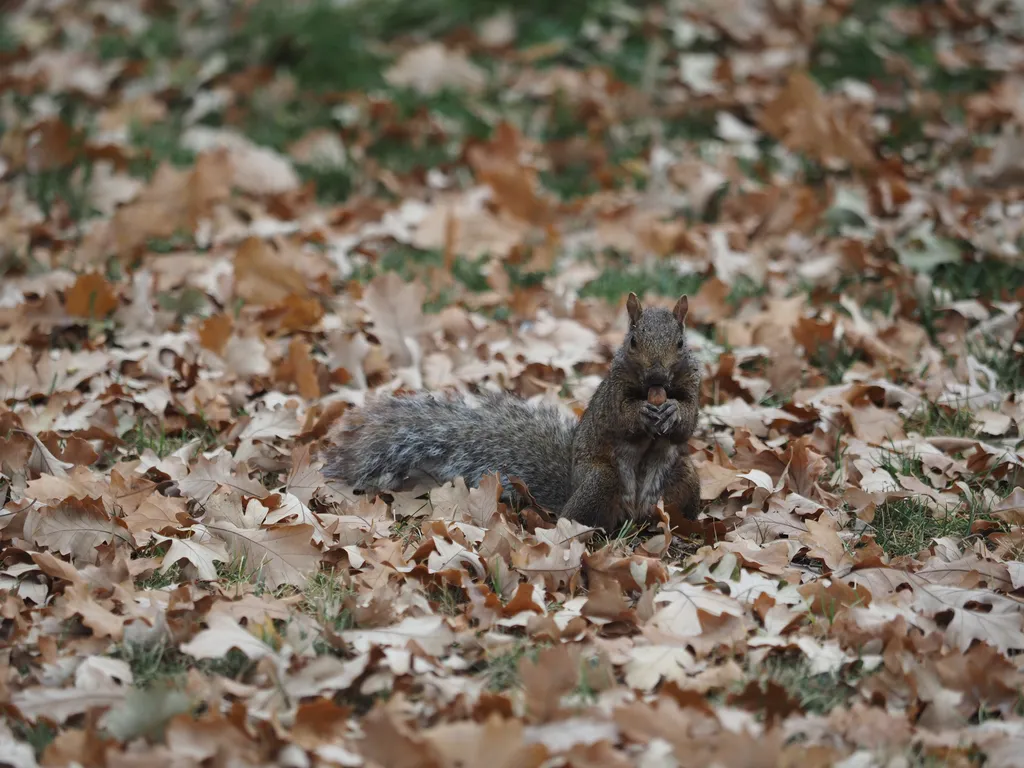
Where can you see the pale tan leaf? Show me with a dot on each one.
(59, 704)
(396, 309)
(223, 634)
(279, 556)
(75, 528)
(203, 556)
(683, 603)
(431, 633)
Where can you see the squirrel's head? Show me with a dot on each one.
(654, 353)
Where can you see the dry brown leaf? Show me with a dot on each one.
(223, 634)
(396, 309)
(263, 275)
(278, 556)
(78, 527)
(90, 297)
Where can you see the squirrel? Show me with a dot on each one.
(627, 451)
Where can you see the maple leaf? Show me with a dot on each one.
(389, 741)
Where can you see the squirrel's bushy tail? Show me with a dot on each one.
(393, 438)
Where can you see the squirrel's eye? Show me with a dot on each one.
(632, 342)
(682, 343)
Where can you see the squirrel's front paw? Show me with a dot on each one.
(651, 418)
(668, 416)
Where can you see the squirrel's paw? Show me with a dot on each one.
(651, 418)
(668, 417)
(660, 420)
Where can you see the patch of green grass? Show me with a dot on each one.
(412, 263)
(693, 125)
(238, 571)
(906, 129)
(849, 49)
(279, 124)
(325, 598)
(8, 42)
(69, 186)
(933, 419)
(160, 40)
(662, 280)
(38, 735)
(158, 143)
(405, 155)
(898, 463)
(834, 360)
(448, 599)
(1006, 362)
(157, 580)
(145, 436)
(744, 288)
(502, 670)
(627, 536)
(906, 526)
(152, 662)
(816, 693)
(455, 111)
(324, 45)
(561, 121)
(160, 663)
(184, 303)
(992, 279)
(857, 48)
(333, 185)
(176, 242)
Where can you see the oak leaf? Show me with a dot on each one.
(280, 555)
(76, 528)
(90, 297)
(223, 634)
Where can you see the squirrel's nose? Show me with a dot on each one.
(655, 378)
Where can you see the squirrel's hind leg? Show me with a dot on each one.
(683, 490)
(595, 501)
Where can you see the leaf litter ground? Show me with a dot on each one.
(224, 225)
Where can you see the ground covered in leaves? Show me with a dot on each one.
(223, 224)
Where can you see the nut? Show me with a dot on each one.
(656, 396)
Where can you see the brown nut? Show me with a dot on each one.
(656, 396)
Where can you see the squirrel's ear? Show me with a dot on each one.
(633, 308)
(681, 308)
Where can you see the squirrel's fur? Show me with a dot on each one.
(617, 462)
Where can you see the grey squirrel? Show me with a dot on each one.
(625, 453)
